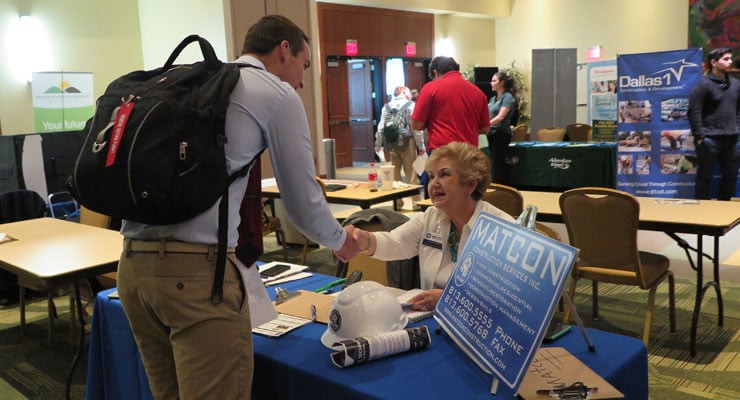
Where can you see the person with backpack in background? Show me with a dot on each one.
(395, 135)
(502, 108)
(193, 347)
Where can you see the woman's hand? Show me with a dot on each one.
(426, 300)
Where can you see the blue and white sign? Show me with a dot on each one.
(656, 155)
(499, 300)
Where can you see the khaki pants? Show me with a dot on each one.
(191, 348)
(405, 159)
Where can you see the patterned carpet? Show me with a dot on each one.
(30, 370)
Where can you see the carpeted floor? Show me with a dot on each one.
(30, 370)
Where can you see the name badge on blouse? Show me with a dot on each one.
(432, 240)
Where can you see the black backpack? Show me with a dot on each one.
(154, 151)
(395, 129)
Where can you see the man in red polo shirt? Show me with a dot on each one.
(449, 107)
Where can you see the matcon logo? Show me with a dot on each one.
(670, 74)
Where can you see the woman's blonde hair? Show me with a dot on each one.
(472, 165)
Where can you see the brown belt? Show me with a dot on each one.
(170, 246)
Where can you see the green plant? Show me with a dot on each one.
(513, 69)
(516, 72)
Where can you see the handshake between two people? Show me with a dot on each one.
(359, 241)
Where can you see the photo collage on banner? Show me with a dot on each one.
(656, 156)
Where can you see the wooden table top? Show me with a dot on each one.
(356, 193)
(707, 217)
(48, 248)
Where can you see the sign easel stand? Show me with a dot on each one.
(527, 219)
(577, 318)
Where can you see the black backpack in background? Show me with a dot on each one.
(154, 151)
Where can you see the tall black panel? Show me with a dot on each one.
(9, 179)
(482, 77)
(60, 151)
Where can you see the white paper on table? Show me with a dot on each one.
(291, 278)
(419, 163)
(283, 324)
(294, 273)
(261, 309)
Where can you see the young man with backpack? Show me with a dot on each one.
(191, 347)
(395, 135)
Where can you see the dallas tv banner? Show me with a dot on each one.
(656, 154)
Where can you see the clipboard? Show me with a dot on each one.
(553, 366)
(300, 306)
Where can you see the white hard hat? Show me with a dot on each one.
(363, 308)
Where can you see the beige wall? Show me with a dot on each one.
(156, 20)
(473, 39)
(85, 35)
(619, 26)
(88, 36)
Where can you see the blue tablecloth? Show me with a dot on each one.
(297, 365)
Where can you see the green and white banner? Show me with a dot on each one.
(62, 101)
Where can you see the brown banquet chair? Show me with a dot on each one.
(550, 134)
(272, 224)
(520, 133)
(506, 198)
(603, 224)
(306, 241)
(578, 132)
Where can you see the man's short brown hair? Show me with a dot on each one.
(270, 31)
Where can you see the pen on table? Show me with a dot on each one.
(313, 312)
(330, 285)
(279, 277)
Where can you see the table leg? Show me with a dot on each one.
(80, 344)
(22, 301)
(701, 289)
(720, 313)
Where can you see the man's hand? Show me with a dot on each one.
(352, 244)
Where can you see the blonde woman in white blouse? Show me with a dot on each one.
(459, 174)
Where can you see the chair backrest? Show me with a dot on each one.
(372, 269)
(551, 134)
(506, 198)
(92, 218)
(399, 273)
(547, 231)
(578, 132)
(603, 224)
(520, 133)
(21, 204)
(322, 184)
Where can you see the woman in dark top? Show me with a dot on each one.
(500, 108)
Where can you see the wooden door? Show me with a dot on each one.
(359, 76)
(416, 74)
(337, 95)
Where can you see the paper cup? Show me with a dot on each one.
(386, 175)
